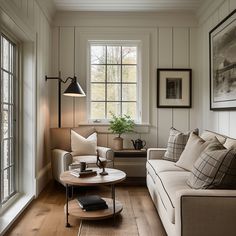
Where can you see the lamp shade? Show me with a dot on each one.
(74, 90)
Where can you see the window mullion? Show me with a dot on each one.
(1, 164)
(106, 84)
(121, 85)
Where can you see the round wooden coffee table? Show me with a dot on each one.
(114, 207)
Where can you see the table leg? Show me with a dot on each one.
(67, 199)
(114, 202)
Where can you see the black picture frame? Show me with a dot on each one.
(174, 88)
(222, 64)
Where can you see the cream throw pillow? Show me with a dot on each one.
(83, 146)
(230, 143)
(192, 151)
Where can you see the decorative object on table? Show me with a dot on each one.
(92, 203)
(174, 88)
(120, 125)
(223, 64)
(83, 166)
(101, 164)
(73, 90)
(138, 144)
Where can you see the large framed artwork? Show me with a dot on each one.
(222, 42)
(174, 88)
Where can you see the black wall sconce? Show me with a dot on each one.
(73, 90)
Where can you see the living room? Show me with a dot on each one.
(63, 40)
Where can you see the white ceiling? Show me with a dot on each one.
(127, 5)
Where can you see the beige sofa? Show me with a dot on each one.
(185, 211)
(61, 155)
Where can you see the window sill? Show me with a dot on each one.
(10, 214)
(103, 127)
(108, 124)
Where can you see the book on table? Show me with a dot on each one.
(92, 203)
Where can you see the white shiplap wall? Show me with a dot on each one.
(219, 121)
(33, 19)
(172, 44)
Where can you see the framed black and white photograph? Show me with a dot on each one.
(174, 88)
(222, 42)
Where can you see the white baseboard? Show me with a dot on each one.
(43, 177)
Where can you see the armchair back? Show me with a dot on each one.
(61, 137)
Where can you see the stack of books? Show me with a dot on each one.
(92, 203)
(78, 173)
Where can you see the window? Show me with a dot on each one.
(113, 80)
(8, 118)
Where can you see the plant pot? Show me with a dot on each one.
(118, 143)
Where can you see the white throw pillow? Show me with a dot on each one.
(192, 151)
(83, 146)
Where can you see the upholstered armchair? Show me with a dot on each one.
(62, 157)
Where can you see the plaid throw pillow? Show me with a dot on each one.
(176, 144)
(215, 168)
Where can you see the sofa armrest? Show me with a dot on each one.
(155, 153)
(60, 162)
(205, 212)
(106, 153)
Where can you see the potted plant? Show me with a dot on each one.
(120, 125)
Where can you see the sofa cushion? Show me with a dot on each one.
(192, 151)
(230, 143)
(208, 135)
(215, 168)
(168, 183)
(89, 159)
(176, 144)
(162, 165)
(83, 146)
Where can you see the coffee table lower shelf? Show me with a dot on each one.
(75, 210)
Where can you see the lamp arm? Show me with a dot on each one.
(61, 80)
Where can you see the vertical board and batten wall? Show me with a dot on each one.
(220, 121)
(34, 21)
(177, 48)
(172, 44)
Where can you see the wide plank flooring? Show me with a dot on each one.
(45, 215)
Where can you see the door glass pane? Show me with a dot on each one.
(97, 110)
(113, 92)
(113, 54)
(5, 55)
(6, 180)
(129, 73)
(98, 54)
(129, 55)
(129, 92)
(5, 121)
(6, 87)
(113, 74)
(5, 151)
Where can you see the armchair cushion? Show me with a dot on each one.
(83, 146)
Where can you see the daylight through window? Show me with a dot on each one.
(113, 81)
(8, 117)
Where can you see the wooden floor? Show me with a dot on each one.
(45, 215)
